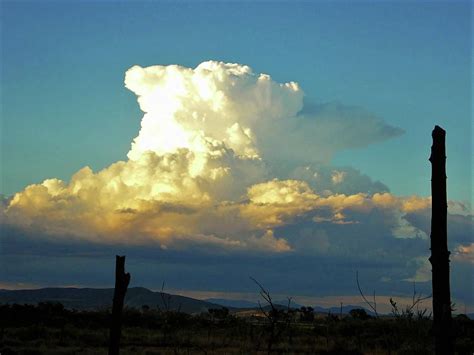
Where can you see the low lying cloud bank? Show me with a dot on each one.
(208, 170)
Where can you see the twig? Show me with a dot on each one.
(373, 307)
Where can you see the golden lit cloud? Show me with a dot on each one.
(200, 171)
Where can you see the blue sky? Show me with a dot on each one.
(64, 105)
(407, 63)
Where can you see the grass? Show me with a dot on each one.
(51, 329)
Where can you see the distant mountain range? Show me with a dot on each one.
(337, 310)
(248, 304)
(136, 297)
(317, 309)
(233, 303)
(94, 298)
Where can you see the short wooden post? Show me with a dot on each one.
(122, 280)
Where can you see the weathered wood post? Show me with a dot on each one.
(439, 247)
(122, 280)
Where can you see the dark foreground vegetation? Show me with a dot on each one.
(49, 328)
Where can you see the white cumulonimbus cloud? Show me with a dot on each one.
(203, 169)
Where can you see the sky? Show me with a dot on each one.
(213, 141)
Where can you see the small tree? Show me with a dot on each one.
(219, 313)
(307, 314)
(359, 313)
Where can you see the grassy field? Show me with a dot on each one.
(51, 329)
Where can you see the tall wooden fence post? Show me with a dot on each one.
(122, 280)
(439, 247)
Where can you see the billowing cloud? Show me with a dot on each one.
(327, 180)
(208, 107)
(206, 171)
(320, 131)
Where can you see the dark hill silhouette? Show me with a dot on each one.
(95, 298)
